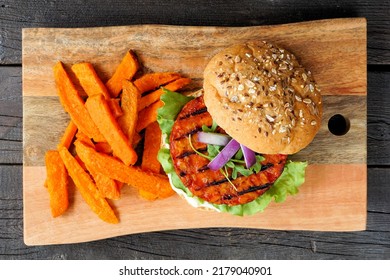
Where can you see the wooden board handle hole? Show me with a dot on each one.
(339, 125)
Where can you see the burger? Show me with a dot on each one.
(227, 147)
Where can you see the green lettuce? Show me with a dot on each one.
(287, 184)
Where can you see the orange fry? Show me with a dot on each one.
(89, 80)
(57, 183)
(134, 176)
(68, 135)
(115, 108)
(107, 186)
(152, 81)
(100, 112)
(148, 115)
(87, 188)
(103, 147)
(125, 71)
(152, 97)
(73, 104)
(151, 148)
(147, 195)
(130, 98)
(82, 137)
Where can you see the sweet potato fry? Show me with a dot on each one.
(130, 99)
(148, 115)
(152, 81)
(115, 108)
(82, 137)
(147, 195)
(131, 175)
(100, 112)
(125, 71)
(152, 97)
(73, 104)
(89, 79)
(103, 147)
(57, 183)
(87, 188)
(107, 186)
(68, 135)
(151, 148)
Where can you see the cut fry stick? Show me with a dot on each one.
(147, 195)
(103, 147)
(68, 135)
(136, 139)
(125, 71)
(146, 100)
(57, 183)
(89, 80)
(100, 112)
(87, 188)
(148, 115)
(84, 138)
(151, 148)
(107, 186)
(133, 176)
(152, 81)
(130, 99)
(73, 104)
(115, 108)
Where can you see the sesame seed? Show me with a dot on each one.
(249, 83)
(298, 98)
(269, 118)
(311, 87)
(304, 76)
(248, 55)
(240, 87)
(234, 98)
(273, 88)
(313, 123)
(252, 91)
(300, 114)
(256, 79)
(307, 100)
(237, 59)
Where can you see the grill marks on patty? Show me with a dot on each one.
(211, 185)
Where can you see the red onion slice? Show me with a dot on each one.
(225, 155)
(213, 138)
(249, 156)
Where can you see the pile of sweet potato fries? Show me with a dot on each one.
(97, 149)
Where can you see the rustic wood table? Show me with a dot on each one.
(210, 243)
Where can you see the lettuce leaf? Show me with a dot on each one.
(288, 183)
(166, 115)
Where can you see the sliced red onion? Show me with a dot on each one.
(213, 138)
(225, 155)
(249, 156)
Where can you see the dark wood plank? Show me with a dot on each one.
(378, 118)
(16, 15)
(10, 115)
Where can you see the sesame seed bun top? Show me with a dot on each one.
(262, 97)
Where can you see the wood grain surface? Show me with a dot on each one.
(207, 243)
(329, 179)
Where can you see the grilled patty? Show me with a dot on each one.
(212, 186)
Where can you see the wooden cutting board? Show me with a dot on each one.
(334, 195)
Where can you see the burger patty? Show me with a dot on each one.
(213, 186)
